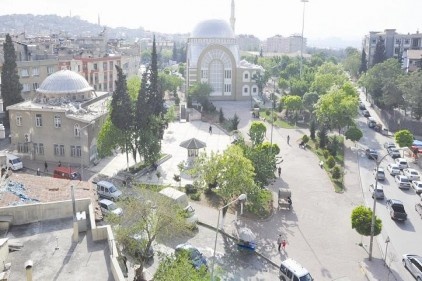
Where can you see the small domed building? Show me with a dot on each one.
(61, 123)
(213, 57)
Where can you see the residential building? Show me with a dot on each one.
(412, 60)
(248, 42)
(286, 45)
(61, 123)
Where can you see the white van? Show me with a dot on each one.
(182, 200)
(107, 190)
(14, 162)
(291, 270)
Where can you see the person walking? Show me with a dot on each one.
(288, 139)
(38, 172)
(279, 242)
(60, 163)
(45, 167)
(283, 245)
(279, 171)
(210, 130)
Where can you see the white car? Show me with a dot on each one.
(108, 206)
(393, 169)
(402, 181)
(402, 163)
(411, 174)
(417, 186)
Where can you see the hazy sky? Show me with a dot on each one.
(348, 20)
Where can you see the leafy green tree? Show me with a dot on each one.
(312, 129)
(327, 76)
(362, 220)
(260, 80)
(411, 87)
(257, 132)
(379, 54)
(133, 86)
(221, 118)
(109, 138)
(234, 122)
(10, 86)
(363, 63)
(331, 162)
(179, 268)
(293, 103)
(352, 62)
(404, 138)
(298, 87)
(354, 134)
(156, 217)
(323, 136)
(392, 96)
(309, 100)
(201, 92)
(335, 173)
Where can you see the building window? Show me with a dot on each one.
(227, 88)
(246, 76)
(59, 150)
(35, 86)
(254, 90)
(39, 149)
(111, 65)
(398, 41)
(35, 71)
(26, 88)
(23, 148)
(24, 72)
(50, 69)
(104, 66)
(227, 74)
(95, 66)
(57, 121)
(204, 73)
(77, 130)
(18, 120)
(406, 41)
(38, 120)
(75, 151)
(245, 90)
(216, 76)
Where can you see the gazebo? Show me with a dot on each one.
(192, 145)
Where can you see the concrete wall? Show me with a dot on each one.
(4, 251)
(30, 213)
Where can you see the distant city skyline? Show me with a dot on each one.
(346, 20)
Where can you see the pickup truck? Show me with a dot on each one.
(396, 209)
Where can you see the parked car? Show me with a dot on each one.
(394, 152)
(362, 106)
(396, 208)
(371, 154)
(417, 186)
(108, 207)
(371, 122)
(393, 169)
(66, 173)
(418, 208)
(413, 263)
(388, 145)
(411, 174)
(107, 190)
(402, 163)
(378, 192)
(291, 270)
(366, 113)
(380, 174)
(194, 255)
(402, 181)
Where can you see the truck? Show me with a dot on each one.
(396, 208)
(180, 198)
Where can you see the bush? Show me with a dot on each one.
(268, 112)
(190, 188)
(336, 172)
(195, 196)
(312, 129)
(305, 139)
(221, 118)
(331, 162)
(326, 153)
(260, 203)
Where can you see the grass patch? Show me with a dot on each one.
(278, 123)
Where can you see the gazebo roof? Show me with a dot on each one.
(193, 144)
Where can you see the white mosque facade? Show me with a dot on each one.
(213, 57)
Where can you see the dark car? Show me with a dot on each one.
(366, 113)
(394, 152)
(371, 154)
(193, 254)
(362, 106)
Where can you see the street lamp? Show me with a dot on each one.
(303, 27)
(387, 240)
(82, 158)
(241, 197)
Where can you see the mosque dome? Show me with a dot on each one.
(64, 82)
(212, 29)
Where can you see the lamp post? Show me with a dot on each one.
(387, 240)
(241, 197)
(80, 136)
(301, 45)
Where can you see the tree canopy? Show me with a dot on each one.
(404, 138)
(362, 220)
(257, 132)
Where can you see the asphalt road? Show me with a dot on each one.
(405, 237)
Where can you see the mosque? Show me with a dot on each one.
(213, 57)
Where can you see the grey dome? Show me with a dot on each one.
(212, 29)
(64, 82)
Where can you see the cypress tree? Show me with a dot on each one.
(121, 106)
(379, 55)
(363, 63)
(10, 87)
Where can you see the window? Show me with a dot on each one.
(245, 90)
(35, 86)
(75, 151)
(398, 41)
(104, 66)
(111, 65)
(227, 74)
(254, 90)
(204, 73)
(39, 149)
(26, 88)
(35, 71)
(18, 120)
(24, 72)
(77, 130)
(227, 88)
(38, 120)
(23, 148)
(246, 76)
(50, 69)
(57, 121)
(95, 66)
(406, 41)
(216, 76)
(59, 150)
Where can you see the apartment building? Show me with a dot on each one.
(280, 44)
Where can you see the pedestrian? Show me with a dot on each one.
(279, 171)
(283, 245)
(38, 172)
(279, 241)
(45, 166)
(60, 163)
(210, 130)
(288, 139)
